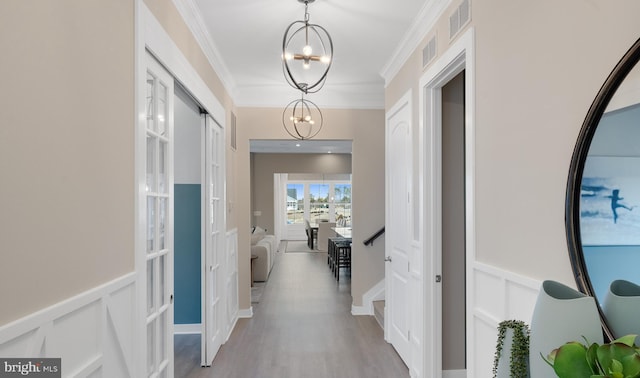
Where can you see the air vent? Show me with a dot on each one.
(459, 18)
(233, 131)
(429, 52)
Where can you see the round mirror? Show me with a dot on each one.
(603, 200)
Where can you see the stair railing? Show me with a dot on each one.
(374, 237)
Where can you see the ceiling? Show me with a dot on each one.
(246, 36)
(316, 146)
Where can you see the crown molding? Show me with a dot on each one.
(191, 15)
(348, 96)
(421, 26)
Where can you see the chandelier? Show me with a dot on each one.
(307, 53)
(302, 119)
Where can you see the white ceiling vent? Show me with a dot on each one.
(429, 52)
(459, 18)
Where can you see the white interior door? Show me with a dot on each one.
(213, 239)
(159, 220)
(398, 230)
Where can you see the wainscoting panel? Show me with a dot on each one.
(232, 281)
(498, 295)
(92, 333)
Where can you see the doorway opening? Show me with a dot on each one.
(200, 258)
(453, 225)
(447, 220)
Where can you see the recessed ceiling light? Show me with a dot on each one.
(297, 144)
(328, 152)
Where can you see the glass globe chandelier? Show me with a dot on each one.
(307, 53)
(302, 119)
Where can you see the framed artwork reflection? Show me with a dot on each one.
(610, 201)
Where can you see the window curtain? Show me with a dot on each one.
(279, 205)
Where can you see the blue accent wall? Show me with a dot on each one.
(187, 260)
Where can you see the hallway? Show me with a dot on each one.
(302, 327)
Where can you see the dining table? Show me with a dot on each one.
(344, 232)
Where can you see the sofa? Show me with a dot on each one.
(264, 247)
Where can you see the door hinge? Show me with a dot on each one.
(408, 266)
(438, 278)
(408, 334)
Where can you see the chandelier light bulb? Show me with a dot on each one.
(288, 56)
(307, 51)
(326, 59)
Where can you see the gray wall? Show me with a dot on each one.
(264, 166)
(453, 226)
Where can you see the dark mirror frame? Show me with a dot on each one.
(572, 203)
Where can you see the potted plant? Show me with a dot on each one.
(513, 336)
(617, 359)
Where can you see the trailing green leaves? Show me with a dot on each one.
(519, 358)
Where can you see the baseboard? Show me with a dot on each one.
(179, 329)
(373, 294)
(231, 328)
(454, 374)
(246, 313)
(360, 310)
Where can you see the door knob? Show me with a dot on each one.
(388, 258)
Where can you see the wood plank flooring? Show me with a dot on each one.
(302, 328)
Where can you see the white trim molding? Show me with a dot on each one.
(424, 22)
(187, 329)
(373, 294)
(93, 332)
(192, 16)
(231, 282)
(335, 96)
(246, 313)
(459, 57)
(160, 44)
(454, 374)
(497, 295)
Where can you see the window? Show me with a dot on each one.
(295, 203)
(342, 202)
(318, 202)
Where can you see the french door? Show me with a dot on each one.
(213, 240)
(159, 220)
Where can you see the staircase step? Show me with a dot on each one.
(378, 312)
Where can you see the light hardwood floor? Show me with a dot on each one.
(302, 327)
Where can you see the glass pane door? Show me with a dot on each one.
(159, 220)
(214, 240)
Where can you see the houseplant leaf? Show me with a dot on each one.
(571, 361)
(618, 360)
